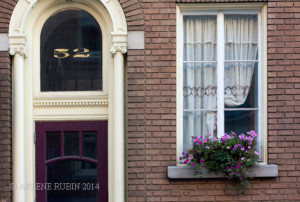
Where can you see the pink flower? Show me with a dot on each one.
(242, 158)
(191, 157)
(207, 147)
(201, 160)
(192, 165)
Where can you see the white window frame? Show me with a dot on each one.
(219, 10)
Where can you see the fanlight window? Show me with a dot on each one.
(71, 52)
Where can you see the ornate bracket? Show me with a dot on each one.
(119, 42)
(118, 48)
(17, 43)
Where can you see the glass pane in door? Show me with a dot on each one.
(71, 183)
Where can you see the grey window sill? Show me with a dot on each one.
(184, 172)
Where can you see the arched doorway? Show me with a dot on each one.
(34, 103)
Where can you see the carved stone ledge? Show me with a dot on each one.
(184, 172)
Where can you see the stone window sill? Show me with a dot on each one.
(184, 172)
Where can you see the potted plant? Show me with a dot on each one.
(233, 154)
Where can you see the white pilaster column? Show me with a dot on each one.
(119, 124)
(18, 51)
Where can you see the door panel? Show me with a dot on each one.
(71, 161)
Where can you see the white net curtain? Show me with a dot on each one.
(200, 69)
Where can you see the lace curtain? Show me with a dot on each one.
(200, 68)
(241, 36)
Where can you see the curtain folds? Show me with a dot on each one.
(241, 41)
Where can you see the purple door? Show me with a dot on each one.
(71, 161)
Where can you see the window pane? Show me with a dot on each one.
(198, 123)
(70, 171)
(89, 144)
(53, 144)
(71, 52)
(241, 37)
(71, 144)
(241, 85)
(199, 77)
(199, 62)
(199, 86)
(241, 121)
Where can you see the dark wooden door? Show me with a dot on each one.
(71, 161)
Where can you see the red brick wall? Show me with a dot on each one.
(6, 8)
(5, 126)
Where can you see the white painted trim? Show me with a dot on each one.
(25, 26)
(179, 93)
(220, 74)
(220, 9)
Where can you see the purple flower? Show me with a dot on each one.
(242, 158)
(204, 140)
(249, 147)
(180, 158)
(186, 154)
(191, 157)
(255, 152)
(192, 165)
(234, 173)
(195, 151)
(236, 166)
(239, 163)
(227, 167)
(227, 147)
(201, 160)
(207, 147)
(182, 152)
(242, 148)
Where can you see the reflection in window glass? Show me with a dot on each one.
(84, 184)
(71, 52)
(53, 144)
(89, 144)
(71, 144)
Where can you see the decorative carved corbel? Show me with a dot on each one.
(118, 48)
(17, 43)
(119, 42)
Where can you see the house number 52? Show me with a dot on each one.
(77, 53)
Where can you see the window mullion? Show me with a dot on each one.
(220, 74)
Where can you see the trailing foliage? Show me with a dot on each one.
(233, 154)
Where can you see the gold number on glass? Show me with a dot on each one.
(61, 53)
(81, 53)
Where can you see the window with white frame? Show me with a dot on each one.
(220, 78)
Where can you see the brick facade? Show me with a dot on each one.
(151, 106)
(6, 8)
